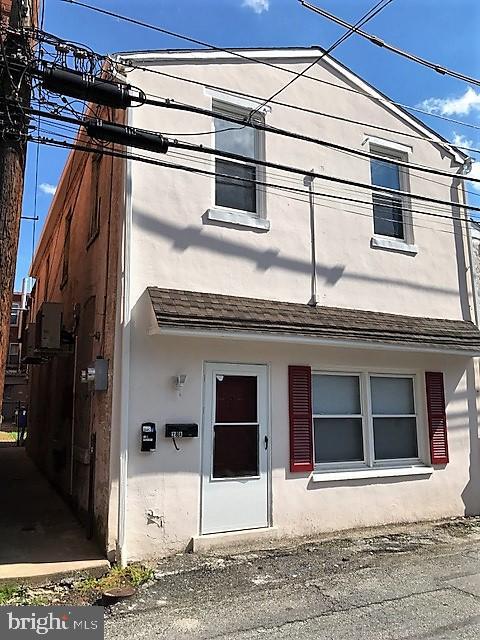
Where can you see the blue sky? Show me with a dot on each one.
(444, 31)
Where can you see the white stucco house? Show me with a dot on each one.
(304, 347)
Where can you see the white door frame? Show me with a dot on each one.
(262, 371)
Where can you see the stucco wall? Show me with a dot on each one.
(168, 482)
(172, 247)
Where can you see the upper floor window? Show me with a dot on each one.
(13, 360)
(236, 181)
(388, 209)
(15, 314)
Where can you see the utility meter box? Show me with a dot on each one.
(48, 326)
(29, 353)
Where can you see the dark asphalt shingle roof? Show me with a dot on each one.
(214, 312)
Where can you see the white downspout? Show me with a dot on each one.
(467, 167)
(122, 557)
(308, 181)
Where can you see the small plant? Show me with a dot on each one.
(8, 592)
(134, 575)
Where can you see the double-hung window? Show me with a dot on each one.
(13, 355)
(364, 420)
(236, 187)
(388, 208)
(15, 314)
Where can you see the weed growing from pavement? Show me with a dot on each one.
(82, 589)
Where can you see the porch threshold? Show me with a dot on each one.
(232, 540)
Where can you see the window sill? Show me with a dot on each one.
(392, 244)
(361, 474)
(239, 218)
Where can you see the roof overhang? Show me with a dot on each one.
(257, 336)
(205, 315)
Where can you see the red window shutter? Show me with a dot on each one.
(437, 419)
(300, 399)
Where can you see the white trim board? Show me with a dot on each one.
(201, 56)
(299, 339)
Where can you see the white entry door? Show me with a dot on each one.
(235, 448)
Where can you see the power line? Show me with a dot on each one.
(271, 173)
(287, 168)
(171, 104)
(385, 45)
(235, 53)
(276, 175)
(437, 140)
(371, 13)
(361, 204)
(188, 169)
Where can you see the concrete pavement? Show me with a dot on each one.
(39, 535)
(401, 584)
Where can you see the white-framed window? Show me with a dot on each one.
(364, 420)
(13, 355)
(236, 187)
(15, 314)
(391, 213)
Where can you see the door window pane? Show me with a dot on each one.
(235, 193)
(395, 438)
(336, 395)
(236, 399)
(338, 439)
(392, 396)
(235, 451)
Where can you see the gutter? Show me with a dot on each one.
(260, 336)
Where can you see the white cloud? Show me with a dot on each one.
(49, 189)
(460, 140)
(259, 6)
(462, 106)
(475, 173)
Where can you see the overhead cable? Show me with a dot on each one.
(385, 45)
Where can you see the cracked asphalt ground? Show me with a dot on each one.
(401, 583)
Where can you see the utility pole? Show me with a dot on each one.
(15, 90)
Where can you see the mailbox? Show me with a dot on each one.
(149, 436)
(181, 430)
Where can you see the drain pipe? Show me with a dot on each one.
(122, 557)
(308, 182)
(466, 168)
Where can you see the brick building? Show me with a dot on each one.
(15, 392)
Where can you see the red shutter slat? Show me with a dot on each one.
(437, 419)
(300, 401)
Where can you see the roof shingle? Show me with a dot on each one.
(214, 312)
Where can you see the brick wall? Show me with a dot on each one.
(61, 406)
